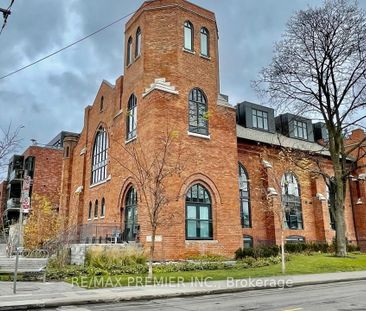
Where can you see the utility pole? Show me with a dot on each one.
(24, 208)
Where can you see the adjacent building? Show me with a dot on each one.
(171, 78)
(43, 164)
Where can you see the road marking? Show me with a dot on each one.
(296, 309)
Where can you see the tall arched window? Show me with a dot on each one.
(205, 48)
(129, 51)
(101, 107)
(245, 211)
(102, 208)
(131, 227)
(96, 209)
(330, 189)
(291, 202)
(131, 117)
(188, 36)
(100, 156)
(198, 118)
(90, 210)
(138, 42)
(198, 214)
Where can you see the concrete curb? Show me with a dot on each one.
(54, 303)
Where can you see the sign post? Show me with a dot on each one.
(24, 208)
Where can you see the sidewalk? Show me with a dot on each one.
(32, 295)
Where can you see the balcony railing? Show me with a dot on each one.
(16, 175)
(13, 203)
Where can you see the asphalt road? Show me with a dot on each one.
(328, 297)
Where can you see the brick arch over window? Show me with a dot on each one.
(127, 183)
(206, 182)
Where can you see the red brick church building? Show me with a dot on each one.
(171, 76)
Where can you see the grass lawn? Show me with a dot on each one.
(298, 264)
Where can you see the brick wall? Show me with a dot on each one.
(47, 172)
(211, 161)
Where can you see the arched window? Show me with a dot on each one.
(102, 208)
(90, 210)
(245, 212)
(131, 227)
(96, 209)
(198, 118)
(291, 202)
(129, 51)
(101, 107)
(330, 189)
(138, 42)
(188, 36)
(198, 214)
(248, 241)
(131, 117)
(100, 156)
(205, 47)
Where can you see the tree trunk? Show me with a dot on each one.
(335, 149)
(341, 241)
(283, 259)
(152, 250)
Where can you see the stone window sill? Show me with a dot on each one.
(130, 140)
(189, 51)
(101, 182)
(199, 135)
(205, 57)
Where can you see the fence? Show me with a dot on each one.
(99, 234)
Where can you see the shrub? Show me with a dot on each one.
(309, 247)
(109, 258)
(251, 262)
(191, 266)
(353, 248)
(208, 257)
(257, 252)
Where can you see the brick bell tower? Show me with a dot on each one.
(171, 66)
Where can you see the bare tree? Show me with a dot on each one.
(275, 182)
(9, 142)
(319, 67)
(152, 168)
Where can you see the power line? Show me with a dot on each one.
(66, 47)
(6, 13)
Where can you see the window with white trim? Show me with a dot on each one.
(138, 42)
(100, 156)
(205, 47)
(131, 117)
(129, 51)
(188, 36)
(198, 112)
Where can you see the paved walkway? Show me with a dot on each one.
(53, 294)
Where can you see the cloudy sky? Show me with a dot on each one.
(51, 96)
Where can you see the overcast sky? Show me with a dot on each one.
(51, 96)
